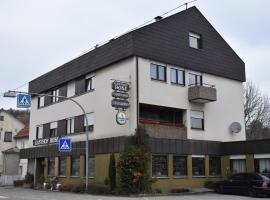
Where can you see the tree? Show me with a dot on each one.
(112, 172)
(257, 108)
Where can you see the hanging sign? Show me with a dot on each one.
(121, 118)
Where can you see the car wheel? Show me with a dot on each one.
(252, 192)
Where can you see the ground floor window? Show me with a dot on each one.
(179, 165)
(159, 166)
(51, 165)
(62, 166)
(75, 166)
(262, 165)
(198, 166)
(238, 165)
(91, 167)
(214, 165)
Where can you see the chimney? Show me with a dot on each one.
(158, 18)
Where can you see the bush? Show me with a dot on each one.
(18, 183)
(65, 188)
(112, 172)
(133, 168)
(78, 188)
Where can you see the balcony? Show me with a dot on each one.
(202, 93)
(162, 130)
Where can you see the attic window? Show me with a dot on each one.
(195, 41)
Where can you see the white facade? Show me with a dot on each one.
(12, 125)
(97, 102)
(22, 143)
(218, 115)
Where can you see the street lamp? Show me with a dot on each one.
(13, 94)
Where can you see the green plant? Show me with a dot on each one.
(41, 179)
(228, 173)
(18, 183)
(179, 190)
(78, 188)
(98, 189)
(29, 178)
(53, 182)
(112, 172)
(133, 168)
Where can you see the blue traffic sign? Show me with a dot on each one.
(23, 101)
(65, 145)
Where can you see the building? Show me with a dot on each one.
(22, 142)
(185, 91)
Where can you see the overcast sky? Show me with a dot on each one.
(37, 36)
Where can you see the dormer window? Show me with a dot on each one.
(195, 41)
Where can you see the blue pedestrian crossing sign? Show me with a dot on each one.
(23, 101)
(65, 145)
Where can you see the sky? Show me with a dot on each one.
(37, 36)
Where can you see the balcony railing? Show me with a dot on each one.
(202, 93)
(159, 129)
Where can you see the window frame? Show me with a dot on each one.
(55, 93)
(157, 69)
(2, 118)
(71, 166)
(50, 168)
(186, 166)
(177, 76)
(202, 120)
(37, 132)
(39, 101)
(197, 37)
(257, 165)
(91, 158)
(53, 130)
(70, 125)
(211, 167)
(204, 166)
(167, 167)
(90, 125)
(60, 161)
(5, 136)
(196, 79)
(90, 84)
(239, 159)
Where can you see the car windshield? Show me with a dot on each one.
(265, 178)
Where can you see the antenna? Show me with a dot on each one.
(186, 4)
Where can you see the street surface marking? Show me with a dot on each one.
(3, 197)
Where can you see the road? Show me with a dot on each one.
(29, 194)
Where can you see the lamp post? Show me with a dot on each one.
(13, 94)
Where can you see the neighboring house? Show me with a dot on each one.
(22, 139)
(9, 127)
(185, 91)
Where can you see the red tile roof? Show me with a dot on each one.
(24, 132)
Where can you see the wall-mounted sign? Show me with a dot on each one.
(45, 141)
(120, 86)
(121, 118)
(120, 103)
(120, 95)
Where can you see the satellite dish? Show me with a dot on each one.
(235, 127)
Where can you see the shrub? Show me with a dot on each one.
(18, 183)
(112, 172)
(106, 181)
(78, 188)
(133, 168)
(65, 188)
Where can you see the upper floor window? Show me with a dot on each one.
(8, 137)
(194, 79)
(53, 129)
(90, 83)
(71, 89)
(177, 76)
(158, 72)
(1, 118)
(70, 126)
(55, 94)
(195, 41)
(39, 133)
(90, 120)
(41, 101)
(197, 120)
